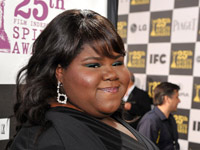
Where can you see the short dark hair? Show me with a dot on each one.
(164, 89)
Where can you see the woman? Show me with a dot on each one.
(69, 92)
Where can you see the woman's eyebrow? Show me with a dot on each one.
(100, 58)
(92, 58)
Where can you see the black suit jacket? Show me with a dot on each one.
(141, 103)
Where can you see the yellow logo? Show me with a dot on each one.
(158, 138)
(152, 86)
(181, 60)
(161, 27)
(197, 98)
(181, 126)
(136, 59)
(122, 28)
(139, 2)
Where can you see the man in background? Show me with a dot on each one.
(159, 125)
(137, 103)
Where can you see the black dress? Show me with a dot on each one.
(74, 130)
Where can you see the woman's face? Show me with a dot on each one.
(93, 83)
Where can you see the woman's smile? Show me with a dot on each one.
(110, 89)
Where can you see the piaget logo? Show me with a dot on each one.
(197, 89)
(181, 60)
(136, 59)
(122, 28)
(182, 125)
(161, 27)
(151, 87)
(139, 2)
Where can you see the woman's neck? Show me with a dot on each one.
(69, 105)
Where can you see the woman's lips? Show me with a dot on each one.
(110, 89)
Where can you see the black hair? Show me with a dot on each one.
(59, 43)
(164, 89)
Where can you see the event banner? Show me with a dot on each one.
(162, 39)
(21, 21)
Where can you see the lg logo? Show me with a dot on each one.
(154, 58)
(135, 28)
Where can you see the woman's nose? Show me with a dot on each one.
(109, 73)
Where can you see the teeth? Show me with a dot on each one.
(112, 90)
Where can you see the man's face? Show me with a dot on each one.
(174, 100)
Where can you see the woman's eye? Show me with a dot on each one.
(95, 65)
(118, 63)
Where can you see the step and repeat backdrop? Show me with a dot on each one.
(21, 21)
(162, 39)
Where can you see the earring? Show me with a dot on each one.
(62, 100)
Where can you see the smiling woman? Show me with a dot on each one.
(104, 80)
(69, 93)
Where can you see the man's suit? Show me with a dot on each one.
(141, 103)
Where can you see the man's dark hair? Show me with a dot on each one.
(164, 89)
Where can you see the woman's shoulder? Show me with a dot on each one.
(36, 136)
(33, 138)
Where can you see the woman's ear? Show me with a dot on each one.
(59, 73)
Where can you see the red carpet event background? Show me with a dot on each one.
(162, 38)
(21, 21)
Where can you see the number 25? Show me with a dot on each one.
(35, 10)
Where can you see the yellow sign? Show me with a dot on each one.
(161, 27)
(182, 127)
(152, 86)
(197, 98)
(139, 2)
(136, 59)
(180, 59)
(122, 28)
